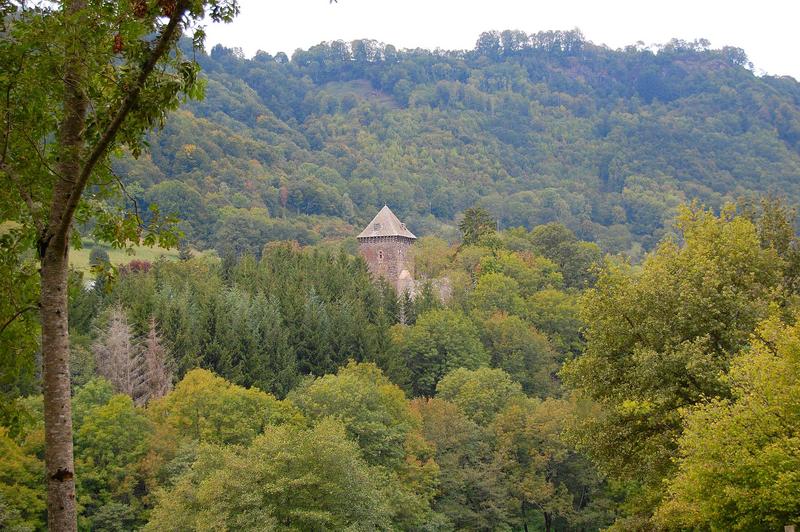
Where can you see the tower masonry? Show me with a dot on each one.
(385, 244)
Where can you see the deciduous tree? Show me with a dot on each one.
(288, 478)
(480, 393)
(661, 338)
(82, 80)
(439, 342)
(377, 416)
(739, 458)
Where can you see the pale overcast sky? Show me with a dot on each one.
(766, 29)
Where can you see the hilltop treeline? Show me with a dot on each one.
(536, 128)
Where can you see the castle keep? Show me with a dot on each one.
(385, 244)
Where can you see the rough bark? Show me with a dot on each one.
(61, 513)
(53, 251)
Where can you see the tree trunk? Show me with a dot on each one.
(73, 171)
(54, 256)
(548, 521)
(61, 513)
(524, 516)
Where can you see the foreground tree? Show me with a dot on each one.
(547, 481)
(472, 493)
(739, 458)
(440, 341)
(206, 408)
(110, 441)
(377, 416)
(521, 351)
(480, 394)
(81, 80)
(661, 339)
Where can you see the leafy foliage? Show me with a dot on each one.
(440, 341)
(675, 359)
(373, 410)
(739, 456)
(377, 416)
(662, 337)
(481, 393)
(530, 129)
(206, 408)
(19, 328)
(288, 478)
(109, 446)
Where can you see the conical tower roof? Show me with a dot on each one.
(386, 223)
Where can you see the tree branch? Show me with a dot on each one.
(40, 154)
(635, 331)
(7, 134)
(126, 195)
(25, 196)
(100, 149)
(16, 315)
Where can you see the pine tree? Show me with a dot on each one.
(139, 369)
(115, 353)
(153, 367)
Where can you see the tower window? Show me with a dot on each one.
(380, 254)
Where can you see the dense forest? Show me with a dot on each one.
(536, 128)
(552, 389)
(604, 333)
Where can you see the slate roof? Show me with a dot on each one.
(386, 223)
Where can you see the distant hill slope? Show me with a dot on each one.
(534, 127)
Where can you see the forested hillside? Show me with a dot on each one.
(536, 128)
(604, 331)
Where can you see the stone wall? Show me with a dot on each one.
(387, 257)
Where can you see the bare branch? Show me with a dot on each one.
(7, 134)
(25, 196)
(130, 197)
(41, 156)
(127, 195)
(16, 315)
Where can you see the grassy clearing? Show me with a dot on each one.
(361, 89)
(79, 258)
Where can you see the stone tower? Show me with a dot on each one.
(385, 244)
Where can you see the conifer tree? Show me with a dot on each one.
(154, 371)
(115, 353)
